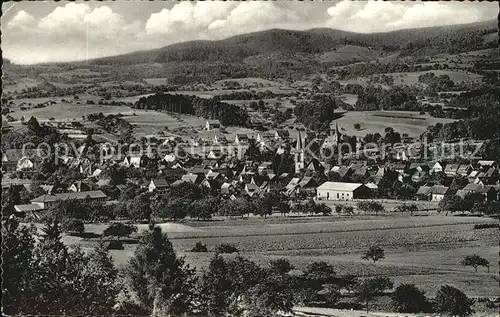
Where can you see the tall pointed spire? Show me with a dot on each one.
(299, 142)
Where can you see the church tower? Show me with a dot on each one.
(336, 136)
(299, 154)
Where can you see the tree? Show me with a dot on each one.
(73, 225)
(357, 126)
(161, 280)
(451, 301)
(226, 248)
(374, 253)
(320, 272)
(99, 276)
(283, 207)
(407, 298)
(475, 261)
(281, 266)
(17, 252)
(270, 295)
(199, 247)
(371, 206)
(140, 207)
(118, 229)
(368, 289)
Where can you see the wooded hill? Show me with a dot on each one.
(445, 39)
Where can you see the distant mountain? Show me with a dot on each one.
(444, 39)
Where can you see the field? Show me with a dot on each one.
(372, 122)
(456, 76)
(422, 250)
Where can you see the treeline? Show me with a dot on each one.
(228, 115)
(318, 113)
(483, 127)
(251, 95)
(367, 69)
(114, 124)
(376, 98)
(436, 83)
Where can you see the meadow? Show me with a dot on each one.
(372, 122)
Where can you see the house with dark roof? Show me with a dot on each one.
(464, 170)
(315, 165)
(424, 193)
(159, 184)
(451, 169)
(79, 186)
(212, 124)
(438, 192)
(281, 135)
(192, 178)
(241, 138)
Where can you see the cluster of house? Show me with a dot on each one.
(230, 176)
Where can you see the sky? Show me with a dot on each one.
(35, 32)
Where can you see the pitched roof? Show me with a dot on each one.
(160, 182)
(471, 187)
(486, 163)
(423, 190)
(27, 207)
(339, 186)
(439, 190)
(193, 178)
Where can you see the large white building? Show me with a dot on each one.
(341, 191)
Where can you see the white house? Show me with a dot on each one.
(341, 191)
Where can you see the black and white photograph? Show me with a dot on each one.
(250, 158)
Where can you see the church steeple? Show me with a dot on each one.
(299, 154)
(299, 145)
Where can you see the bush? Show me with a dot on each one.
(486, 225)
(374, 253)
(226, 248)
(281, 266)
(452, 301)
(371, 206)
(118, 229)
(114, 245)
(409, 299)
(199, 247)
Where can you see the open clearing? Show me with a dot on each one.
(372, 122)
(68, 111)
(456, 76)
(421, 250)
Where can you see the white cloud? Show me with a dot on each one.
(21, 20)
(187, 16)
(254, 16)
(79, 30)
(433, 14)
(158, 23)
(381, 16)
(79, 19)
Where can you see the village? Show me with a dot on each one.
(222, 167)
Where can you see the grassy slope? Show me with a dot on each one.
(422, 250)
